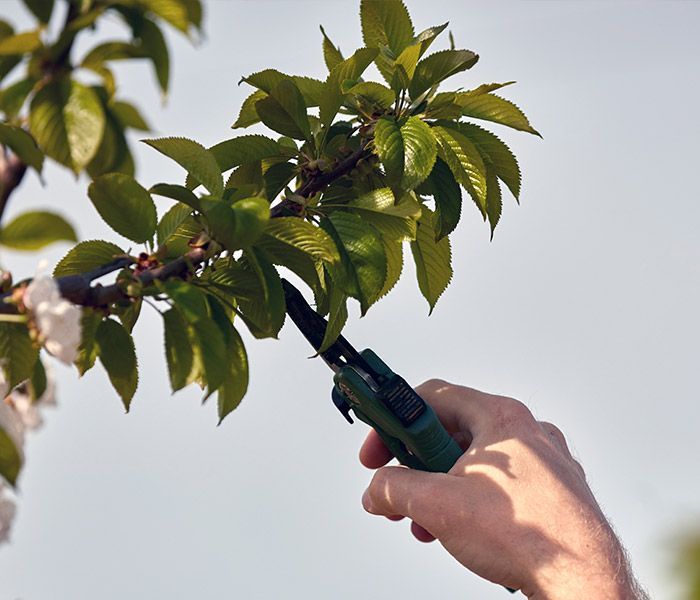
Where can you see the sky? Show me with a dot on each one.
(584, 306)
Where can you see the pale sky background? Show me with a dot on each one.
(584, 306)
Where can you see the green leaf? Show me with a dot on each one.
(38, 382)
(493, 199)
(67, 121)
(176, 192)
(129, 116)
(373, 92)
(124, 205)
(171, 220)
(191, 301)
(36, 229)
(433, 260)
(41, 9)
(443, 106)
(211, 351)
(248, 115)
(153, 46)
(112, 154)
(267, 310)
(88, 350)
(195, 158)
(118, 357)
(238, 225)
(284, 111)
(10, 458)
(12, 98)
(130, 313)
(337, 317)
(22, 144)
(393, 249)
(393, 220)
(350, 69)
(439, 66)
(20, 43)
(331, 53)
(464, 161)
(267, 80)
(407, 152)
(426, 37)
(448, 199)
(17, 353)
(106, 51)
(174, 12)
(496, 154)
(178, 350)
(235, 381)
(179, 242)
(87, 256)
(363, 255)
(491, 107)
(386, 23)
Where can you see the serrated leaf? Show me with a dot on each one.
(350, 69)
(118, 357)
(493, 199)
(331, 53)
(210, 347)
(176, 192)
(178, 350)
(22, 144)
(497, 154)
(393, 249)
(393, 220)
(129, 116)
(189, 299)
(179, 242)
(432, 259)
(86, 256)
(88, 350)
(199, 162)
(41, 9)
(426, 37)
(448, 199)
(240, 150)
(35, 229)
(373, 92)
(443, 106)
(311, 89)
(124, 205)
(267, 310)
(386, 23)
(277, 177)
(17, 353)
(407, 61)
(10, 458)
(235, 381)
(363, 255)
(465, 162)
(407, 152)
(337, 317)
(248, 115)
(439, 66)
(67, 121)
(20, 43)
(171, 220)
(238, 225)
(491, 107)
(284, 111)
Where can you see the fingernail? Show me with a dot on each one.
(367, 502)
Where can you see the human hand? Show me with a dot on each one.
(514, 509)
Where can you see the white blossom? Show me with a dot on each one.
(7, 514)
(57, 319)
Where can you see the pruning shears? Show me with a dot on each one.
(365, 385)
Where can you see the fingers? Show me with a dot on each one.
(373, 453)
(421, 534)
(555, 435)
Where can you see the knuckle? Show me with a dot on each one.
(511, 413)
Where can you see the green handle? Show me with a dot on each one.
(408, 426)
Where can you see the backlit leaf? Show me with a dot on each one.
(386, 23)
(124, 205)
(248, 115)
(171, 220)
(439, 66)
(176, 192)
(19, 43)
(17, 353)
(337, 317)
(331, 53)
(284, 111)
(433, 260)
(491, 107)
(493, 199)
(35, 229)
(118, 357)
(88, 350)
(86, 256)
(267, 310)
(22, 144)
(178, 351)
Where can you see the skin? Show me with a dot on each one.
(515, 509)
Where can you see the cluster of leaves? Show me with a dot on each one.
(355, 170)
(47, 110)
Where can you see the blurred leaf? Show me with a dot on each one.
(86, 256)
(178, 350)
(107, 51)
(37, 382)
(118, 357)
(36, 229)
(17, 353)
(112, 154)
(433, 260)
(41, 9)
(439, 66)
(124, 205)
(20, 43)
(88, 350)
(284, 111)
(331, 53)
(67, 121)
(10, 458)
(153, 46)
(13, 97)
(494, 108)
(195, 158)
(171, 220)
(129, 116)
(23, 145)
(173, 11)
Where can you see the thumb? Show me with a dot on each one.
(415, 494)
